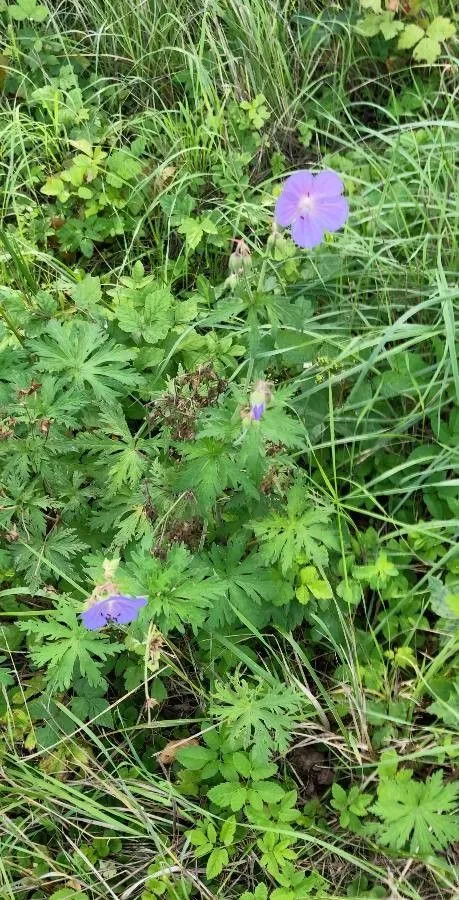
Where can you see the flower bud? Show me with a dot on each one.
(259, 398)
(240, 260)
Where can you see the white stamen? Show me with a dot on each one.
(306, 205)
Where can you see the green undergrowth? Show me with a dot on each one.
(280, 721)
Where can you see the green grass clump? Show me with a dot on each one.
(280, 721)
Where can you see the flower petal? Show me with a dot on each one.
(295, 187)
(327, 184)
(94, 617)
(125, 609)
(332, 213)
(256, 411)
(118, 608)
(307, 231)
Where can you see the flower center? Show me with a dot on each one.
(306, 205)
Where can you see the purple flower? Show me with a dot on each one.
(258, 400)
(119, 609)
(257, 410)
(312, 204)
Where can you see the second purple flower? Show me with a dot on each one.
(312, 204)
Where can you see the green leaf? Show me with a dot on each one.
(197, 837)
(350, 591)
(390, 27)
(80, 353)
(447, 710)
(65, 643)
(275, 853)
(208, 469)
(193, 232)
(443, 601)
(228, 831)
(83, 145)
(238, 798)
(195, 757)
(311, 581)
(303, 532)
(248, 587)
(263, 771)
(222, 794)
(179, 588)
(255, 800)
(417, 814)
(90, 703)
(377, 574)
(260, 893)
(369, 26)
(410, 36)
(84, 193)
(242, 764)
(55, 187)
(388, 763)
(123, 457)
(6, 678)
(124, 165)
(68, 894)
(28, 9)
(428, 50)
(269, 791)
(208, 226)
(148, 316)
(217, 861)
(57, 549)
(374, 5)
(87, 293)
(339, 797)
(257, 714)
(441, 29)
(185, 311)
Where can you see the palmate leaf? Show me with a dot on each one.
(35, 452)
(89, 701)
(428, 50)
(58, 549)
(84, 358)
(125, 515)
(260, 715)
(121, 456)
(13, 365)
(304, 532)
(22, 501)
(179, 589)
(247, 586)
(277, 426)
(69, 483)
(62, 642)
(417, 814)
(152, 319)
(208, 468)
(441, 29)
(49, 402)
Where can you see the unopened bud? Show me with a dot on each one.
(260, 396)
(240, 260)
